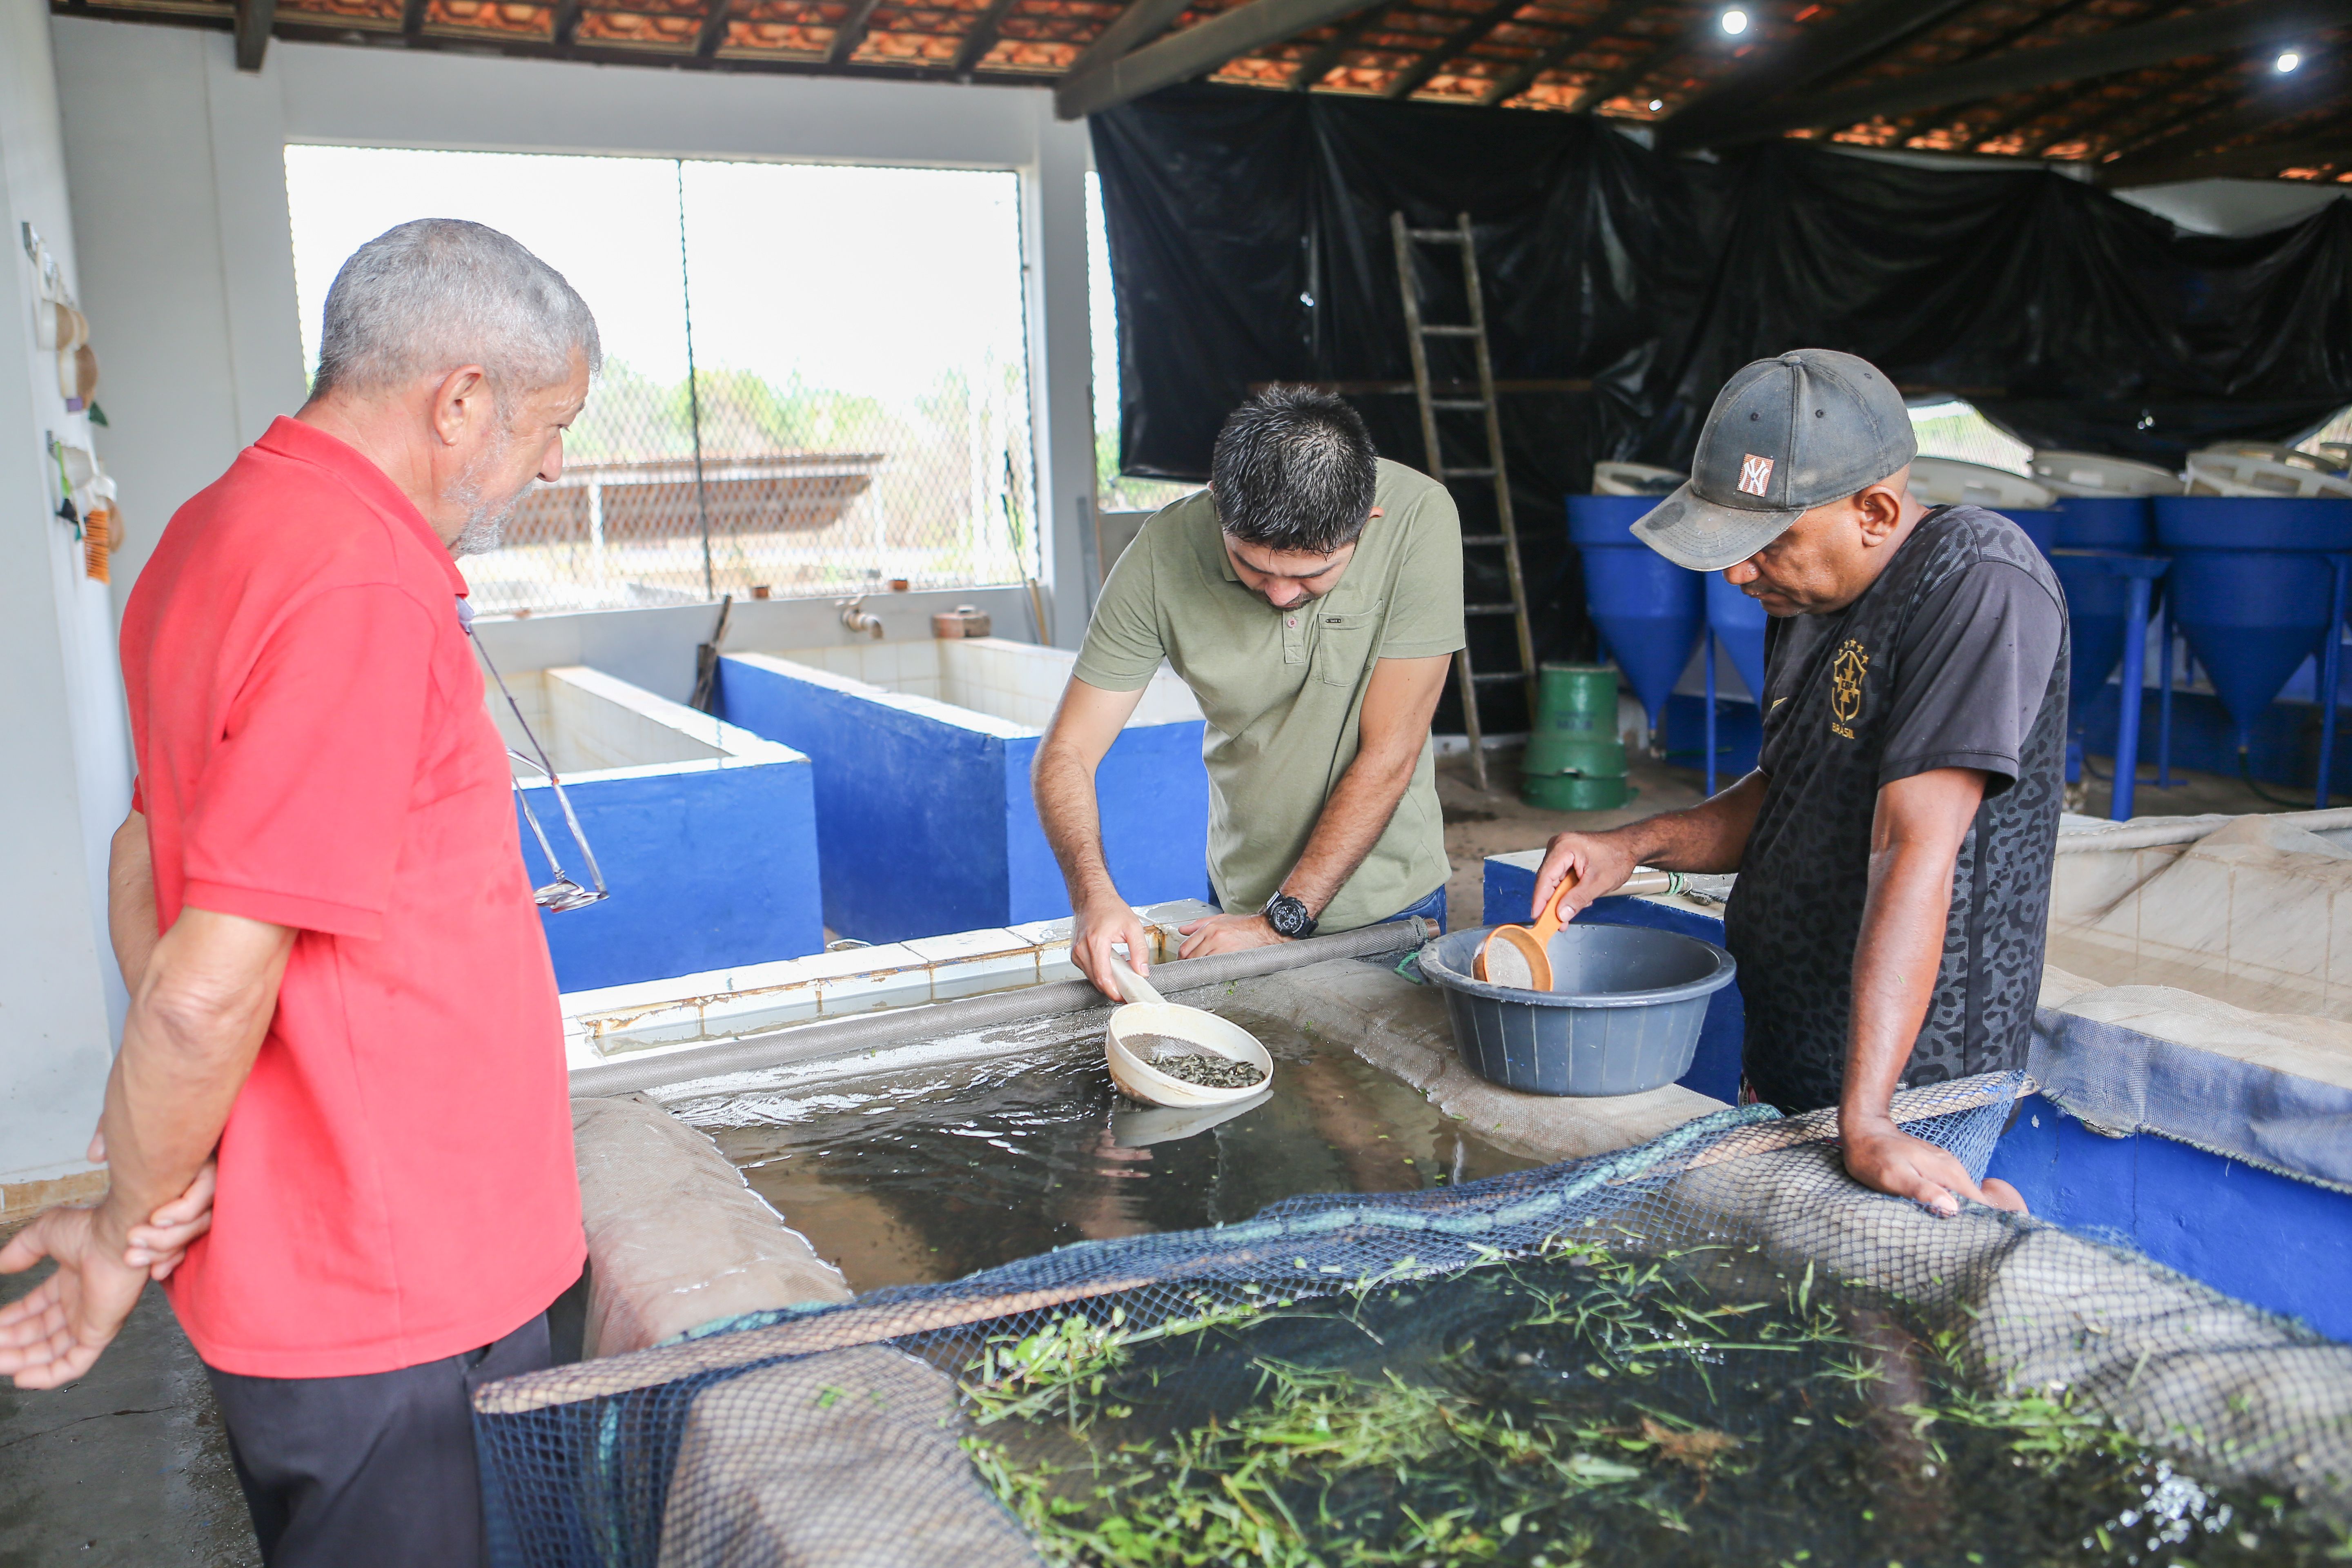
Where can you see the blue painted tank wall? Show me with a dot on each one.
(1714, 1066)
(925, 827)
(708, 867)
(1154, 794)
(2248, 1233)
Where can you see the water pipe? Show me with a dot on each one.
(874, 1031)
(856, 619)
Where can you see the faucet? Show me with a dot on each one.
(854, 617)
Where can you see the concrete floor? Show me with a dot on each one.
(129, 1466)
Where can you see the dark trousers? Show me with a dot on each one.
(369, 1472)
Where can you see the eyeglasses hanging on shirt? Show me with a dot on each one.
(563, 893)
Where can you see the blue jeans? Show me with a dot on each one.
(1432, 908)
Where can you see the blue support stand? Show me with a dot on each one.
(2143, 571)
(2164, 698)
(1709, 646)
(2331, 674)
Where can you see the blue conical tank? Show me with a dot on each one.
(2250, 587)
(1648, 610)
(2316, 523)
(2251, 618)
(1737, 622)
(2098, 603)
(2103, 522)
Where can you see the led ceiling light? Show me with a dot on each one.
(2287, 62)
(1656, 104)
(1734, 21)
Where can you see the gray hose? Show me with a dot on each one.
(899, 1025)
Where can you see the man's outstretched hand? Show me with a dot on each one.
(1225, 934)
(1882, 1156)
(54, 1334)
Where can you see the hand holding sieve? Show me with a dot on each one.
(1148, 1014)
(1521, 956)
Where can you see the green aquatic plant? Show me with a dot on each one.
(1070, 1359)
(1292, 1478)
(1603, 1401)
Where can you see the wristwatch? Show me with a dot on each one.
(1288, 917)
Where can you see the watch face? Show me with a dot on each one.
(1287, 916)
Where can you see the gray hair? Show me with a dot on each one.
(431, 295)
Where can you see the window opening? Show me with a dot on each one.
(816, 377)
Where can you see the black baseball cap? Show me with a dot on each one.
(1785, 435)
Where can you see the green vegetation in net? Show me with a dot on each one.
(1593, 1405)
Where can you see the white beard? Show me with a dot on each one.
(485, 520)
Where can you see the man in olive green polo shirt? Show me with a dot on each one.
(1311, 597)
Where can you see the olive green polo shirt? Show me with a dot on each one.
(1283, 690)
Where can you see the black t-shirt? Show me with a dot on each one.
(1955, 657)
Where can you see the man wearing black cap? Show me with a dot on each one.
(1893, 843)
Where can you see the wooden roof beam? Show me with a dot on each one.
(2231, 27)
(1459, 42)
(845, 37)
(982, 36)
(2124, 108)
(713, 31)
(1195, 51)
(1632, 73)
(253, 22)
(2188, 136)
(2330, 143)
(1141, 21)
(1847, 39)
(1565, 48)
(1326, 57)
(1926, 120)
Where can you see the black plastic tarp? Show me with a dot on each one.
(1250, 242)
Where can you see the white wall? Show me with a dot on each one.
(2233, 206)
(179, 161)
(67, 776)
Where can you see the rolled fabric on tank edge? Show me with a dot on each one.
(897, 1025)
(2145, 834)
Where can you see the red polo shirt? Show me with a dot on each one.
(396, 1181)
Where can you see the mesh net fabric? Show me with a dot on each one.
(831, 1434)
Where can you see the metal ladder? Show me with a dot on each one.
(1418, 333)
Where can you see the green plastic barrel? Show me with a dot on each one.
(1573, 792)
(1576, 712)
(1574, 760)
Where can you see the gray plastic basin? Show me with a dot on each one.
(1623, 1017)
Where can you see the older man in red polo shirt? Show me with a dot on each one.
(350, 996)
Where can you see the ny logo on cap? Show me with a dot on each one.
(1755, 474)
